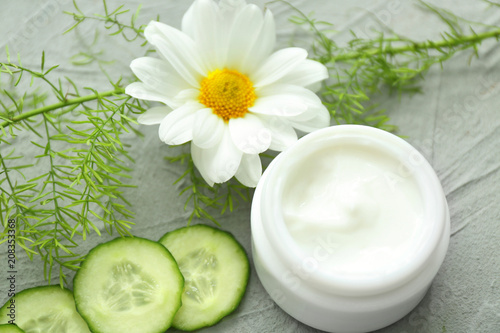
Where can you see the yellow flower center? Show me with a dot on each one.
(228, 93)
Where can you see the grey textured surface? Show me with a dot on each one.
(455, 123)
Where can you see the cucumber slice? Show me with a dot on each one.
(215, 269)
(9, 328)
(44, 309)
(128, 285)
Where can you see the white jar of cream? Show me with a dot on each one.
(349, 227)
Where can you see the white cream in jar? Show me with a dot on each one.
(348, 208)
(349, 228)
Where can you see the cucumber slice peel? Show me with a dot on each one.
(45, 309)
(9, 328)
(216, 272)
(128, 285)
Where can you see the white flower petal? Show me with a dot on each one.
(279, 105)
(284, 100)
(263, 45)
(289, 89)
(250, 170)
(244, 33)
(232, 4)
(200, 163)
(140, 90)
(319, 117)
(278, 65)
(283, 134)
(250, 134)
(154, 115)
(306, 73)
(219, 163)
(178, 48)
(208, 129)
(186, 95)
(188, 21)
(310, 114)
(231, 8)
(204, 24)
(315, 87)
(158, 74)
(177, 127)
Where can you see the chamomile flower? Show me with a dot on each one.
(225, 90)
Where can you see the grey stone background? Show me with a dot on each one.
(455, 123)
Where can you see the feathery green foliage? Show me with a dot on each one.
(113, 22)
(79, 158)
(364, 67)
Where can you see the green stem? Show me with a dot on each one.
(428, 45)
(57, 213)
(52, 107)
(6, 174)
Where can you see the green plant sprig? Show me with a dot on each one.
(74, 101)
(453, 42)
(80, 168)
(112, 21)
(363, 67)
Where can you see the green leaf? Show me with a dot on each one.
(43, 61)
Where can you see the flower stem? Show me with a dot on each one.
(52, 107)
(428, 45)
